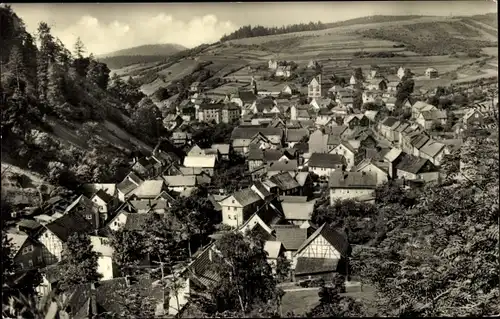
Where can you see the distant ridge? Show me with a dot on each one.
(147, 50)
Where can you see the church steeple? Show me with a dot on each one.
(253, 84)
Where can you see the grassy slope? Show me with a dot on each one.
(335, 46)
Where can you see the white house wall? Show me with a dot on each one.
(343, 193)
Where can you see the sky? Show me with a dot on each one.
(108, 27)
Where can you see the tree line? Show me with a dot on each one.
(258, 31)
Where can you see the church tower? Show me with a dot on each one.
(253, 84)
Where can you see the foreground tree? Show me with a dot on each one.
(440, 257)
(128, 250)
(80, 262)
(246, 282)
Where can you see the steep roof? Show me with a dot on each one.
(104, 196)
(291, 236)
(180, 180)
(17, 240)
(200, 161)
(247, 96)
(392, 154)
(68, 224)
(272, 248)
(250, 132)
(295, 135)
(149, 204)
(246, 196)
(307, 265)
(337, 239)
(150, 188)
(135, 221)
(389, 121)
(414, 164)
(337, 130)
(298, 211)
(282, 166)
(340, 179)
(83, 200)
(326, 160)
(284, 181)
(432, 148)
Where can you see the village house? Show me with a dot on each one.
(258, 157)
(292, 237)
(239, 206)
(431, 73)
(150, 189)
(104, 202)
(325, 164)
(380, 169)
(26, 252)
(314, 87)
(419, 107)
(371, 96)
(210, 113)
(144, 206)
(376, 84)
(285, 184)
(284, 71)
(274, 250)
(147, 167)
(273, 64)
(401, 72)
(416, 168)
(346, 149)
(205, 163)
(223, 149)
(263, 105)
(392, 158)
(105, 265)
(195, 87)
(356, 120)
(294, 136)
(321, 103)
(427, 118)
(352, 185)
(180, 184)
(87, 209)
(473, 117)
(290, 89)
(322, 254)
(390, 103)
(243, 98)
(318, 142)
(242, 137)
(297, 209)
(55, 234)
(278, 167)
(434, 151)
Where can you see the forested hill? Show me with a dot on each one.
(62, 117)
(258, 31)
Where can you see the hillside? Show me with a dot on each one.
(416, 42)
(140, 54)
(64, 120)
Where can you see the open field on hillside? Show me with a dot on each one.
(227, 88)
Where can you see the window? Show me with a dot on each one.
(46, 235)
(30, 263)
(234, 208)
(89, 217)
(40, 259)
(27, 249)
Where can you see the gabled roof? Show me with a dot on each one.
(272, 248)
(291, 236)
(282, 166)
(298, 210)
(419, 140)
(150, 188)
(129, 183)
(202, 161)
(335, 238)
(338, 130)
(83, 200)
(246, 197)
(414, 164)
(339, 179)
(247, 96)
(249, 132)
(149, 204)
(300, 177)
(326, 160)
(432, 148)
(68, 224)
(17, 241)
(392, 155)
(389, 121)
(104, 196)
(284, 181)
(180, 180)
(295, 135)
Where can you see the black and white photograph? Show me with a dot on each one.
(249, 159)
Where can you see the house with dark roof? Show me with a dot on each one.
(352, 185)
(385, 127)
(292, 237)
(325, 164)
(242, 137)
(27, 253)
(293, 136)
(150, 189)
(55, 234)
(88, 210)
(180, 183)
(277, 167)
(286, 184)
(297, 212)
(427, 118)
(325, 252)
(105, 202)
(379, 168)
(346, 149)
(416, 168)
(239, 206)
(129, 184)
